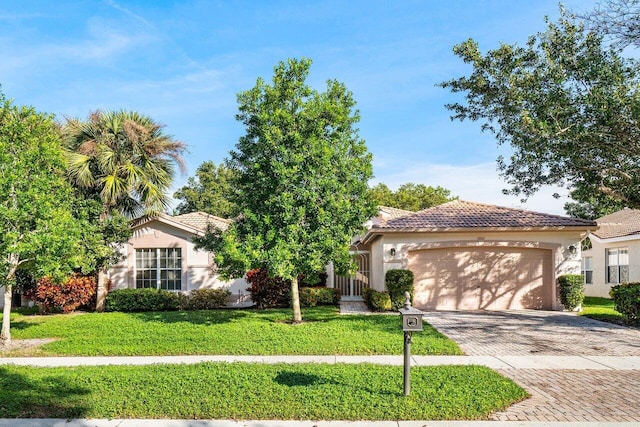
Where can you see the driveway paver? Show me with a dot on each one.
(577, 395)
(528, 332)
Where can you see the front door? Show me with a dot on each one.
(351, 286)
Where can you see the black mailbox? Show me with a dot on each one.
(411, 319)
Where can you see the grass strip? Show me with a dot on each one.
(254, 391)
(233, 332)
(601, 309)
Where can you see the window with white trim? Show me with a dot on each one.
(159, 268)
(617, 265)
(587, 270)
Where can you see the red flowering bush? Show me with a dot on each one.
(53, 297)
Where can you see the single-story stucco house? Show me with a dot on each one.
(464, 256)
(470, 256)
(161, 254)
(610, 254)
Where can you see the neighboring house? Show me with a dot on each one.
(611, 254)
(471, 256)
(161, 254)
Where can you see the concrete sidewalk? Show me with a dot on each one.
(507, 362)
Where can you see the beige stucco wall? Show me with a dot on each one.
(196, 265)
(598, 252)
(556, 241)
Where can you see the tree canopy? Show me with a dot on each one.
(566, 103)
(301, 174)
(38, 232)
(209, 191)
(410, 196)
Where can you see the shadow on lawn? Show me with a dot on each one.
(302, 379)
(44, 397)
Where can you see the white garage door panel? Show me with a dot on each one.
(481, 278)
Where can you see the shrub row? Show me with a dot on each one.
(270, 292)
(376, 301)
(139, 300)
(571, 290)
(311, 297)
(63, 297)
(626, 299)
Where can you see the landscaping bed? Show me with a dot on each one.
(254, 391)
(233, 332)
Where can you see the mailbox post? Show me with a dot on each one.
(411, 322)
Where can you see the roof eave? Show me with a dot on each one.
(378, 231)
(166, 219)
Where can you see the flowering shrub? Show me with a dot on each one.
(53, 297)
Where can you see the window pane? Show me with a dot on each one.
(612, 274)
(588, 263)
(588, 277)
(624, 256)
(612, 257)
(624, 274)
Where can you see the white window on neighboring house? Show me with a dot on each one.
(587, 270)
(617, 265)
(159, 268)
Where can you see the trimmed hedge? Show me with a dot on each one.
(311, 297)
(377, 301)
(137, 300)
(398, 282)
(626, 298)
(205, 299)
(571, 289)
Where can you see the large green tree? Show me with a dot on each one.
(301, 174)
(566, 103)
(125, 160)
(38, 232)
(410, 196)
(209, 191)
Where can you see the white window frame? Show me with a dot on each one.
(617, 260)
(164, 266)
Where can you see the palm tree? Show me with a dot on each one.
(126, 160)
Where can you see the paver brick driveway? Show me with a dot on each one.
(556, 395)
(529, 332)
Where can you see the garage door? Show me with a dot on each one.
(492, 278)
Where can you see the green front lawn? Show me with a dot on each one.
(254, 391)
(601, 309)
(237, 332)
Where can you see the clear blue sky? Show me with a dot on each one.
(183, 62)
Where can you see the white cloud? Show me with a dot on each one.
(475, 183)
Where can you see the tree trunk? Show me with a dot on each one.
(103, 289)
(5, 335)
(295, 301)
